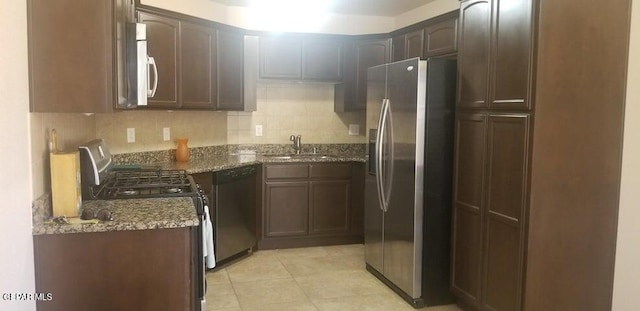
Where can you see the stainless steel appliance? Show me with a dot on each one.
(234, 212)
(101, 181)
(410, 106)
(134, 64)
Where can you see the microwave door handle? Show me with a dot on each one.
(152, 92)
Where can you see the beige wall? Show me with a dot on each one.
(335, 23)
(16, 259)
(286, 109)
(203, 128)
(431, 9)
(627, 273)
(245, 18)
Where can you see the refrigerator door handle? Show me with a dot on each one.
(383, 192)
(378, 157)
(388, 128)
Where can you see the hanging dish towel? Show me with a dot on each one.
(207, 240)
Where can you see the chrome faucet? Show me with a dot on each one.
(297, 146)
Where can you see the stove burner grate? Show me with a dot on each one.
(146, 184)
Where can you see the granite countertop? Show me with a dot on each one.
(222, 162)
(130, 214)
(159, 213)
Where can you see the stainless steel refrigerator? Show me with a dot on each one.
(410, 112)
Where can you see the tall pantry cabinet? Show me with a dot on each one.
(537, 161)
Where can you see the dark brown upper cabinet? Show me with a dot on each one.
(398, 47)
(71, 55)
(301, 58)
(369, 53)
(236, 71)
(434, 37)
(414, 44)
(510, 54)
(441, 38)
(473, 54)
(496, 58)
(281, 58)
(360, 55)
(198, 66)
(408, 45)
(163, 44)
(322, 59)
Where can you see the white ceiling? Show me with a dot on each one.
(355, 7)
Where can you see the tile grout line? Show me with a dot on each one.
(298, 284)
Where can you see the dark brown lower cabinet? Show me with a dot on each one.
(286, 209)
(311, 204)
(119, 270)
(329, 205)
(469, 159)
(489, 207)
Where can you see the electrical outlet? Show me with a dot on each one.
(131, 135)
(166, 134)
(259, 130)
(354, 129)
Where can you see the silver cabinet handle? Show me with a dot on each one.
(152, 92)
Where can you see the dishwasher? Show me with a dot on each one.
(234, 212)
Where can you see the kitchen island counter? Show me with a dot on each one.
(130, 214)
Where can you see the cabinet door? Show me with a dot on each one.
(441, 38)
(329, 206)
(414, 44)
(369, 53)
(397, 48)
(230, 71)
(473, 54)
(469, 172)
(162, 45)
(71, 53)
(511, 54)
(197, 66)
(508, 137)
(286, 211)
(322, 60)
(281, 58)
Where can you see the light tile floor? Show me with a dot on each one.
(328, 278)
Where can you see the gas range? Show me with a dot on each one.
(101, 181)
(146, 183)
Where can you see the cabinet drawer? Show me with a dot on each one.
(287, 171)
(330, 170)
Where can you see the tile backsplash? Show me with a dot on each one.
(286, 109)
(73, 129)
(202, 128)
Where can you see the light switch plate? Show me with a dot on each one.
(131, 135)
(354, 129)
(166, 134)
(258, 130)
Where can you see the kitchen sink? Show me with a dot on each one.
(299, 156)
